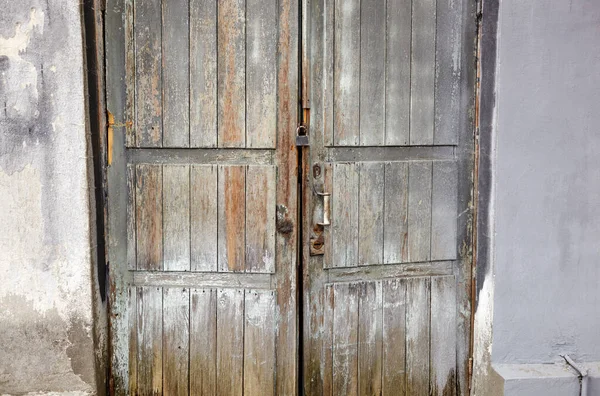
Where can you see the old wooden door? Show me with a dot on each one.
(388, 98)
(202, 192)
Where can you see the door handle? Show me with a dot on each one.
(326, 208)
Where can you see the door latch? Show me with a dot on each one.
(301, 136)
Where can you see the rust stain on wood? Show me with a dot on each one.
(234, 208)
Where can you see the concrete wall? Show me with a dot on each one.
(46, 292)
(540, 293)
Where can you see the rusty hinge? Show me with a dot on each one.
(302, 135)
(110, 134)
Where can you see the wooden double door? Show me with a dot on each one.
(245, 260)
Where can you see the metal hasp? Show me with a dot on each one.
(301, 136)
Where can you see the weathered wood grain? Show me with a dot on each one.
(398, 40)
(176, 324)
(176, 217)
(444, 204)
(419, 211)
(231, 218)
(370, 213)
(328, 260)
(327, 346)
(204, 217)
(231, 73)
(345, 215)
(202, 279)
(230, 341)
(148, 73)
(422, 80)
(259, 342)
(149, 336)
(346, 74)
(417, 335)
(203, 73)
(323, 90)
(149, 211)
(133, 345)
(372, 72)
(261, 73)
(395, 213)
(131, 223)
(370, 342)
(443, 336)
(345, 339)
(203, 342)
(387, 271)
(394, 338)
(260, 218)
(129, 65)
(176, 73)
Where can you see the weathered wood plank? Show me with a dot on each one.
(346, 90)
(444, 204)
(176, 217)
(370, 213)
(388, 153)
(397, 105)
(131, 224)
(204, 218)
(149, 336)
(327, 230)
(448, 71)
(259, 343)
(203, 342)
(203, 279)
(176, 322)
(345, 339)
(261, 73)
(260, 218)
(422, 81)
(394, 338)
(231, 218)
(327, 348)
(395, 213)
(127, 21)
(345, 215)
(149, 211)
(372, 72)
(419, 211)
(203, 73)
(231, 73)
(325, 88)
(176, 73)
(148, 73)
(370, 343)
(202, 156)
(417, 335)
(387, 271)
(133, 345)
(443, 336)
(230, 341)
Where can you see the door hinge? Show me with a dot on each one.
(302, 135)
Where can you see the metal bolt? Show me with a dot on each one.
(316, 171)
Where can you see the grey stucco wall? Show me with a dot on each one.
(46, 297)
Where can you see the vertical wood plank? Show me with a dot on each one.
(370, 343)
(230, 341)
(232, 218)
(345, 339)
(327, 84)
(419, 211)
(444, 203)
(176, 322)
(448, 71)
(204, 217)
(176, 73)
(148, 73)
(327, 231)
(345, 215)
(443, 336)
(149, 210)
(259, 343)
(370, 213)
(397, 106)
(261, 73)
(395, 213)
(131, 209)
(346, 90)
(372, 72)
(130, 70)
(203, 342)
(231, 73)
(203, 73)
(133, 345)
(327, 348)
(260, 218)
(176, 217)
(417, 336)
(394, 338)
(422, 81)
(150, 354)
